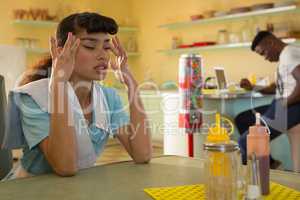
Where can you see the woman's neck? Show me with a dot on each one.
(83, 90)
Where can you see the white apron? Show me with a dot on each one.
(39, 91)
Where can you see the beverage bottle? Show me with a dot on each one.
(258, 142)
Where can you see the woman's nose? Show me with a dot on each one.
(102, 55)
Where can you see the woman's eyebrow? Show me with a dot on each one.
(94, 39)
(90, 39)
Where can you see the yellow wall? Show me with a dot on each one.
(238, 62)
(148, 15)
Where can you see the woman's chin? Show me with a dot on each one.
(99, 77)
(94, 76)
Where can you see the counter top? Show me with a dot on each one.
(124, 180)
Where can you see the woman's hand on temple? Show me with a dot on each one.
(120, 63)
(63, 59)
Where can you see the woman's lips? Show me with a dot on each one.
(100, 68)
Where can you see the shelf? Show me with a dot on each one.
(216, 47)
(39, 23)
(128, 29)
(35, 23)
(269, 11)
(133, 54)
(37, 50)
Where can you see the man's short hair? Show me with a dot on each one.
(258, 38)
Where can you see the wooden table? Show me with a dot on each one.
(120, 181)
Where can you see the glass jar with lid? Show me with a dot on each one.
(222, 164)
(223, 36)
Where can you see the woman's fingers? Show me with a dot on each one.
(121, 48)
(114, 42)
(53, 47)
(113, 64)
(114, 50)
(115, 47)
(75, 46)
(120, 53)
(68, 43)
(118, 44)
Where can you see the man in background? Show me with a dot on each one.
(284, 111)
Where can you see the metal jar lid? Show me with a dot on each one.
(190, 55)
(221, 147)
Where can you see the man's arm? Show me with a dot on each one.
(270, 89)
(295, 96)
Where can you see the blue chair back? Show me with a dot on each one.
(5, 155)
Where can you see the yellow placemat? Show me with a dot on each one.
(189, 192)
(193, 192)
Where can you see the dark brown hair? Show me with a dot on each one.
(74, 23)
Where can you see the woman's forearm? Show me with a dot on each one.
(61, 147)
(138, 143)
(140, 134)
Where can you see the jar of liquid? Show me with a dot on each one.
(221, 164)
(176, 42)
(221, 170)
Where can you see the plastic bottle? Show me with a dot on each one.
(258, 142)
